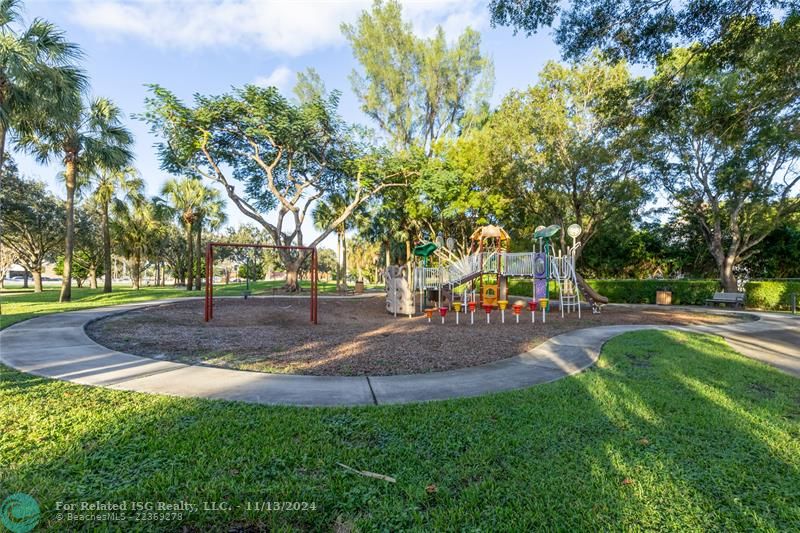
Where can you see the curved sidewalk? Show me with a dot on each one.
(56, 346)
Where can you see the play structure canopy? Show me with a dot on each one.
(424, 250)
(546, 233)
(490, 232)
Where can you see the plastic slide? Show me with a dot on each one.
(591, 295)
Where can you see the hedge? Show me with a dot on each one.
(524, 287)
(771, 294)
(637, 291)
(643, 291)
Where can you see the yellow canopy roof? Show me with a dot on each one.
(490, 232)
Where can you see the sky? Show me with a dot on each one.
(207, 47)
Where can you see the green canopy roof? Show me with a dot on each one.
(547, 232)
(424, 250)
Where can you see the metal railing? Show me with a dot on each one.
(510, 264)
(518, 264)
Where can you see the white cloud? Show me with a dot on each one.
(280, 78)
(279, 26)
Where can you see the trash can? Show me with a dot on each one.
(663, 297)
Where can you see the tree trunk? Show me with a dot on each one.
(344, 261)
(292, 284)
(727, 277)
(199, 276)
(37, 281)
(189, 258)
(106, 250)
(338, 261)
(2, 145)
(25, 280)
(70, 178)
(93, 278)
(137, 266)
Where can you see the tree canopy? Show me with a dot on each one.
(728, 155)
(281, 155)
(638, 31)
(416, 90)
(553, 153)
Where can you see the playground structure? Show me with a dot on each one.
(480, 278)
(399, 297)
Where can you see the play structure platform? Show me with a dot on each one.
(481, 276)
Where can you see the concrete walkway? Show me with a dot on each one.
(56, 346)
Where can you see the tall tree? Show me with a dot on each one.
(552, 154)
(31, 223)
(135, 225)
(171, 247)
(109, 185)
(417, 90)
(309, 86)
(365, 257)
(286, 156)
(192, 202)
(38, 73)
(323, 213)
(211, 214)
(728, 155)
(89, 253)
(88, 137)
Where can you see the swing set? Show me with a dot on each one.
(209, 299)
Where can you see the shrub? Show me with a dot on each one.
(636, 291)
(643, 291)
(524, 288)
(771, 294)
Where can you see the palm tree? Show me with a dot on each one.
(108, 184)
(210, 212)
(37, 73)
(135, 225)
(324, 213)
(92, 137)
(190, 199)
(365, 256)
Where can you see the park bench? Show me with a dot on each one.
(735, 298)
(280, 291)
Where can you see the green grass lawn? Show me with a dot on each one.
(19, 304)
(669, 431)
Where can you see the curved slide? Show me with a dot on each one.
(592, 296)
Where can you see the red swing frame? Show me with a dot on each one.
(209, 300)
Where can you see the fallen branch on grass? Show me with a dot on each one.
(367, 473)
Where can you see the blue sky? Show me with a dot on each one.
(207, 47)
